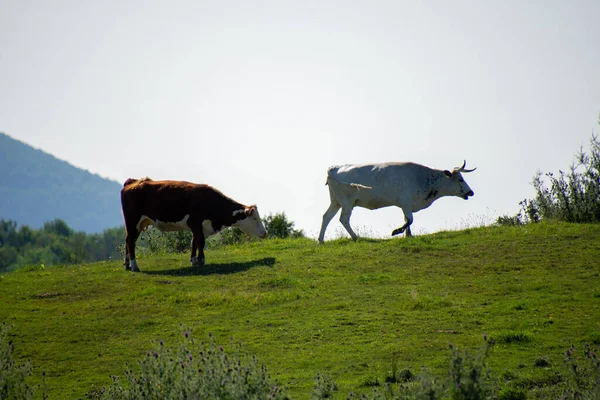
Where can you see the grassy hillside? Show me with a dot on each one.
(351, 310)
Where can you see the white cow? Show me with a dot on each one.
(410, 186)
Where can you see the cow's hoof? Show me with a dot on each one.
(198, 262)
(134, 269)
(397, 231)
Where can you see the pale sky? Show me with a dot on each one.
(259, 98)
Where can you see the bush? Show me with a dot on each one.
(467, 380)
(585, 369)
(468, 374)
(572, 196)
(13, 376)
(179, 241)
(278, 226)
(153, 241)
(184, 373)
(324, 387)
(512, 394)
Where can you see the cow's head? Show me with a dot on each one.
(248, 220)
(458, 186)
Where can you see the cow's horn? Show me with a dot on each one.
(462, 169)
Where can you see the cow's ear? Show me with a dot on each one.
(248, 211)
(447, 173)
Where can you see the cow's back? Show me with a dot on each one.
(381, 175)
(392, 183)
(166, 200)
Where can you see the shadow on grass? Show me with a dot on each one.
(219, 269)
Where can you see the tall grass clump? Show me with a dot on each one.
(467, 379)
(13, 376)
(469, 375)
(572, 196)
(193, 371)
(585, 369)
(324, 387)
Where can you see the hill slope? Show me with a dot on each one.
(36, 187)
(351, 310)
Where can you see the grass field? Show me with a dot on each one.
(350, 310)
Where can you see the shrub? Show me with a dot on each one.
(572, 196)
(13, 376)
(233, 235)
(514, 337)
(153, 241)
(228, 237)
(467, 379)
(585, 369)
(278, 226)
(468, 374)
(394, 376)
(506, 220)
(541, 362)
(184, 373)
(179, 241)
(512, 394)
(324, 387)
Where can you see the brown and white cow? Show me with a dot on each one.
(179, 205)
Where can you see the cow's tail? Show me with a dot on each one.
(131, 180)
(331, 174)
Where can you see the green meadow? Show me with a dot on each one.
(352, 311)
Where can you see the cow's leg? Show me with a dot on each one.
(198, 242)
(408, 218)
(193, 258)
(126, 263)
(329, 214)
(345, 220)
(130, 239)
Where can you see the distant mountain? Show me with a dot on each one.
(36, 187)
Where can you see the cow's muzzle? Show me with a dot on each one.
(467, 195)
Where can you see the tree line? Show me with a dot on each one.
(55, 243)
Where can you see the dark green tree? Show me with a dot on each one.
(58, 227)
(25, 236)
(8, 257)
(8, 232)
(278, 226)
